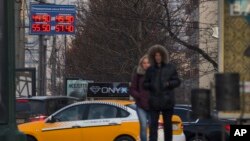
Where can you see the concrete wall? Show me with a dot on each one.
(208, 20)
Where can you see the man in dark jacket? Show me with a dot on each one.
(161, 79)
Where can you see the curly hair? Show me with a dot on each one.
(158, 49)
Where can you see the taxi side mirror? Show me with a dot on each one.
(51, 119)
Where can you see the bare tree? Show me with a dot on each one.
(113, 34)
(57, 65)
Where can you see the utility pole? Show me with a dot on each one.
(42, 77)
(19, 34)
(65, 62)
(8, 128)
(53, 66)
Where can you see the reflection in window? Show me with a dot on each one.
(100, 111)
(123, 113)
(52, 106)
(31, 107)
(72, 113)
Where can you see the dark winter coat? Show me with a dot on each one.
(137, 90)
(168, 76)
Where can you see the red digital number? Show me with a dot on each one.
(41, 18)
(69, 28)
(59, 19)
(64, 28)
(41, 28)
(69, 19)
(36, 27)
(59, 28)
(46, 18)
(45, 27)
(66, 19)
(36, 18)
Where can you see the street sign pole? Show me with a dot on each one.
(8, 128)
(42, 63)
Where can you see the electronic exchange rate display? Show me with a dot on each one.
(52, 19)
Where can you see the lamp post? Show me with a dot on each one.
(8, 129)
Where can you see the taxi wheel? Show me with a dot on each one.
(30, 138)
(124, 138)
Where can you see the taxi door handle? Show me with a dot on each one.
(113, 123)
(76, 126)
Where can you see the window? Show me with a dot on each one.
(61, 103)
(70, 101)
(33, 107)
(72, 114)
(56, 104)
(100, 111)
(51, 106)
(122, 113)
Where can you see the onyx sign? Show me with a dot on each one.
(117, 89)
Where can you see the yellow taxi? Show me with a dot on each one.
(178, 133)
(111, 120)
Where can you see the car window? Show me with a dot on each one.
(70, 101)
(185, 114)
(23, 106)
(66, 101)
(51, 106)
(122, 113)
(55, 104)
(32, 107)
(72, 114)
(100, 111)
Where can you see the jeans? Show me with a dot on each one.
(167, 124)
(143, 116)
